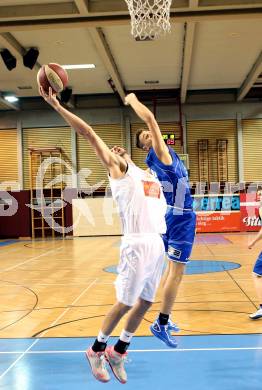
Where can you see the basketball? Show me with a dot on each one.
(52, 75)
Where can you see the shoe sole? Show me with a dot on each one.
(158, 336)
(100, 380)
(255, 318)
(108, 361)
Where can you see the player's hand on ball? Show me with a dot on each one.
(129, 98)
(50, 98)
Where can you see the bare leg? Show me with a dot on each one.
(98, 350)
(113, 317)
(258, 287)
(136, 315)
(175, 274)
(115, 355)
(164, 277)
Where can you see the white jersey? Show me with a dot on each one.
(140, 201)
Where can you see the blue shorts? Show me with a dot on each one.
(258, 266)
(180, 234)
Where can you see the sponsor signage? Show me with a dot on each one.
(217, 213)
(250, 205)
(216, 203)
(218, 222)
(228, 213)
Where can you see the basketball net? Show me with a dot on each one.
(149, 18)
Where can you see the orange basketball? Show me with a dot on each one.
(52, 75)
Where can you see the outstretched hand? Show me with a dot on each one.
(129, 98)
(50, 98)
(118, 150)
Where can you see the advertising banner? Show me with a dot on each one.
(217, 213)
(218, 222)
(250, 207)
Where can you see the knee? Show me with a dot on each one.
(175, 275)
(122, 308)
(175, 279)
(145, 305)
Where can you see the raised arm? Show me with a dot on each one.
(257, 238)
(116, 166)
(148, 117)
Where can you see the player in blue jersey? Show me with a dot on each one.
(257, 270)
(180, 218)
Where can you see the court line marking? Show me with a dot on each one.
(31, 259)
(69, 308)
(138, 350)
(16, 248)
(52, 324)
(83, 282)
(198, 280)
(55, 284)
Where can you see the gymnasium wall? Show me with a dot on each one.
(213, 130)
(252, 148)
(112, 134)
(138, 155)
(8, 155)
(18, 223)
(118, 126)
(45, 137)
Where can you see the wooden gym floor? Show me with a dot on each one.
(60, 288)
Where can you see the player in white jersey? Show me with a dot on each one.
(142, 210)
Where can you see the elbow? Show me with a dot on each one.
(150, 119)
(84, 132)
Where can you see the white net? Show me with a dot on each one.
(149, 18)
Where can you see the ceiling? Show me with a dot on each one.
(215, 46)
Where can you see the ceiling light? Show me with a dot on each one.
(25, 87)
(151, 81)
(11, 98)
(234, 35)
(80, 66)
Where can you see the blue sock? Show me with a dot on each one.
(260, 306)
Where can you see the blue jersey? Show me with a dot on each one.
(258, 266)
(174, 179)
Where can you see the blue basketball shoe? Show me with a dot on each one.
(172, 326)
(162, 333)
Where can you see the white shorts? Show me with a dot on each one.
(140, 268)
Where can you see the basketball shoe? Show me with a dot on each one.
(256, 315)
(97, 364)
(162, 333)
(116, 361)
(172, 326)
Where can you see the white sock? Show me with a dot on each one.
(102, 338)
(126, 336)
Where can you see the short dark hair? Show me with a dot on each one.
(138, 143)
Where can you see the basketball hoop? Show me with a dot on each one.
(149, 18)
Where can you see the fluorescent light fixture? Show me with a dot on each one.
(80, 66)
(11, 98)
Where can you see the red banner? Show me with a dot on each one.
(249, 207)
(218, 222)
